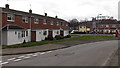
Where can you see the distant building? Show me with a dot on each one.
(100, 25)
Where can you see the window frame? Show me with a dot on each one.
(44, 21)
(24, 19)
(57, 23)
(44, 32)
(11, 16)
(36, 20)
(51, 23)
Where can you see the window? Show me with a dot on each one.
(19, 35)
(26, 33)
(57, 23)
(45, 33)
(66, 24)
(113, 25)
(107, 25)
(61, 23)
(44, 21)
(15, 32)
(23, 34)
(102, 25)
(39, 32)
(57, 32)
(25, 19)
(51, 23)
(10, 17)
(36, 21)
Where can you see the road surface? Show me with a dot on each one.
(90, 54)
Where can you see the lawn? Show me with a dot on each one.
(57, 41)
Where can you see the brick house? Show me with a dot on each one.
(103, 26)
(18, 26)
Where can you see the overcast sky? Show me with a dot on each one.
(66, 9)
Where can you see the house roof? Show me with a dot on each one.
(18, 12)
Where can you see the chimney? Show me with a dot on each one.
(30, 11)
(56, 16)
(45, 14)
(7, 6)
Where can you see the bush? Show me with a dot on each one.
(49, 38)
(68, 36)
(24, 41)
(58, 37)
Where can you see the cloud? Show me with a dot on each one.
(67, 9)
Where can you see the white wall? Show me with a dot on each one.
(4, 37)
(66, 32)
(13, 38)
(39, 34)
(55, 32)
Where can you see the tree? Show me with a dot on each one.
(73, 23)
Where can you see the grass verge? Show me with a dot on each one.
(57, 41)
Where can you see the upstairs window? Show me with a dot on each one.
(51, 23)
(57, 23)
(66, 24)
(36, 21)
(107, 25)
(10, 17)
(44, 21)
(101, 25)
(113, 25)
(25, 19)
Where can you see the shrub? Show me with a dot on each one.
(49, 37)
(68, 36)
(24, 41)
(58, 37)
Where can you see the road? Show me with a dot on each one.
(90, 54)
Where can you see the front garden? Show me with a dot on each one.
(58, 39)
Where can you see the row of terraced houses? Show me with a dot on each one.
(18, 26)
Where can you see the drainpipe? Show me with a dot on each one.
(30, 12)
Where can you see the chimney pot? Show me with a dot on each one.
(7, 6)
(56, 16)
(30, 11)
(45, 14)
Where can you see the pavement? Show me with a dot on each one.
(47, 47)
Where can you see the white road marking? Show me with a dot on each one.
(4, 63)
(17, 60)
(35, 55)
(21, 56)
(49, 52)
(43, 53)
(0, 61)
(27, 57)
(11, 59)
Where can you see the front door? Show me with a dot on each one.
(61, 32)
(50, 33)
(33, 37)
